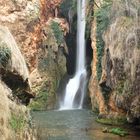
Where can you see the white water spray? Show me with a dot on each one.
(77, 85)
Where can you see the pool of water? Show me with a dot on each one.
(72, 125)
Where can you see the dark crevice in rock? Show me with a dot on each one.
(89, 54)
(20, 87)
(106, 82)
(14, 81)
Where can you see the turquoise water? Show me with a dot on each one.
(72, 125)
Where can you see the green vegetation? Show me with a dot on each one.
(57, 32)
(5, 54)
(51, 71)
(102, 17)
(46, 96)
(111, 121)
(39, 103)
(17, 122)
(116, 131)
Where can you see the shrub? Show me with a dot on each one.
(57, 32)
(5, 54)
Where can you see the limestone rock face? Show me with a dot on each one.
(13, 68)
(96, 96)
(21, 17)
(119, 84)
(16, 63)
(51, 63)
(32, 60)
(14, 117)
(14, 89)
(5, 113)
(30, 24)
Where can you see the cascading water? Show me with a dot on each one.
(77, 85)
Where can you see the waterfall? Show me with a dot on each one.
(77, 85)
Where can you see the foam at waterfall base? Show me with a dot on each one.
(67, 108)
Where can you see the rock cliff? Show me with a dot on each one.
(32, 61)
(114, 84)
(39, 32)
(15, 90)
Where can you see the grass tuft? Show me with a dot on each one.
(17, 122)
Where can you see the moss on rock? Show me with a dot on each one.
(5, 54)
(112, 121)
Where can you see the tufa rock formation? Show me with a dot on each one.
(114, 84)
(33, 66)
(14, 90)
